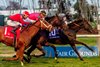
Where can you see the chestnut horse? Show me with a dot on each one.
(24, 39)
(66, 36)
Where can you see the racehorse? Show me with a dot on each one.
(25, 37)
(69, 36)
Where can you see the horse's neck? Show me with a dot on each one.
(49, 19)
(31, 30)
(75, 27)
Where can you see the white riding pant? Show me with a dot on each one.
(13, 23)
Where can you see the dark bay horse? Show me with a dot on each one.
(66, 36)
(25, 37)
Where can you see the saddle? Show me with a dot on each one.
(9, 34)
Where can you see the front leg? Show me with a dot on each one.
(75, 49)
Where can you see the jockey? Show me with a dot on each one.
(69, 17)
(17, 20)
(25, 18)
(65, 27)
(36, 16)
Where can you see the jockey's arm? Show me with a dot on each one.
(29, 20)
(66, 22)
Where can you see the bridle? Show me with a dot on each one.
(47, 26)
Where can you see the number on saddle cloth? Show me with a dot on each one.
(8, 33)
(54, 34)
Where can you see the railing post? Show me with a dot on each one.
(98, 39)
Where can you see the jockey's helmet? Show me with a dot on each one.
(25, 14)
(43, 13)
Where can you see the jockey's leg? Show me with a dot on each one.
(14, 32)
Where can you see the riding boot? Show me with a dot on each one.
(14, 32)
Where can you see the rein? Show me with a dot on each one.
(48, 27)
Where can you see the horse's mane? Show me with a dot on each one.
(28, 26)
(76, 21)
(49, 18)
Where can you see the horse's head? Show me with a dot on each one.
(87, 26)
(81, 24)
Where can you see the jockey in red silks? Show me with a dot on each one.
(17, 20)
(25, 18)
(33, 17)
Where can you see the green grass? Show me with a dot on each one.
(50, 62)
(88, 41)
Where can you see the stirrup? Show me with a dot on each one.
(13, 32)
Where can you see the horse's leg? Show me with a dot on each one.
(21, 54)
(75, 49)
(78, 42)
(29, 51)
(55, 51)
(39, 45)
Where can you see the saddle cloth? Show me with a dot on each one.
(8, 34)
(54, 34)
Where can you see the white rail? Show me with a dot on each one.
(90, 35)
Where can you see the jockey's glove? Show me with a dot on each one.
(20, 24)
(24, 25)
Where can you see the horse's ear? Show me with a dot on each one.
(57, 14)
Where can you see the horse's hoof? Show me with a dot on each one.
(29, 59)
(5, 59)
(81, 59)
(55, 58)
(22, 64)
(25, 59)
